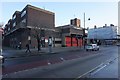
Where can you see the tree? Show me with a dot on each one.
(37, 35)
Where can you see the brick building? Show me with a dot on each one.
(24, 24)
(75, 22)
(71, 35)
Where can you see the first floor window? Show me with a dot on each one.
(14, 24)
(24, 21)
(23, 13)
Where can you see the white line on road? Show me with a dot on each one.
(48, 62)
(96, 69)
(62, 59)
(84, 75)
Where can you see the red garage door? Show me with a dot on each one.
(80, 42)
(68, 41)
(74, 42)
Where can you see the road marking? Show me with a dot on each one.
(48, 62)
(96, 69)
(84, 75)
(62, 59)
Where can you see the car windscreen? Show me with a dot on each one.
(89, 45)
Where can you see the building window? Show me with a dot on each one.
(5, 31)
(8, 23)
(23, 13)
(23, 21)
(14, 24)
(14, 17)
(8, 28)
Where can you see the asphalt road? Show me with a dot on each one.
(63, 65)
(111, 70)
(40, 60)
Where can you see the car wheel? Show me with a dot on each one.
(86, 49)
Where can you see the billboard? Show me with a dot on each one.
(108, 32)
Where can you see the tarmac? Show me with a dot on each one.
(17, 53)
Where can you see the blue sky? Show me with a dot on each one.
(100, 13)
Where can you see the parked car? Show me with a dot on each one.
(93, 47)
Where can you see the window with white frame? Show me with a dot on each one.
(14, 17)
(8, 23)
(8, 28)
(14, 24)
(23, 13)
(23, 21)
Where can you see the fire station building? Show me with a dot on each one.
(32, 21)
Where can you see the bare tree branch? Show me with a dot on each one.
(36, 34)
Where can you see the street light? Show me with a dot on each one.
(84, 30)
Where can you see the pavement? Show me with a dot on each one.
(16, 53)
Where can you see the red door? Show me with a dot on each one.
(80, 42)
(68, 41)
(74, 42)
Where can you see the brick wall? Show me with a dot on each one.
(39, 18)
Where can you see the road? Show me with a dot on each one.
(63, 65)
(109, 71)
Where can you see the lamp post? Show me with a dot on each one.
(84, 31)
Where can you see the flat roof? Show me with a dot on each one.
(43, 10)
